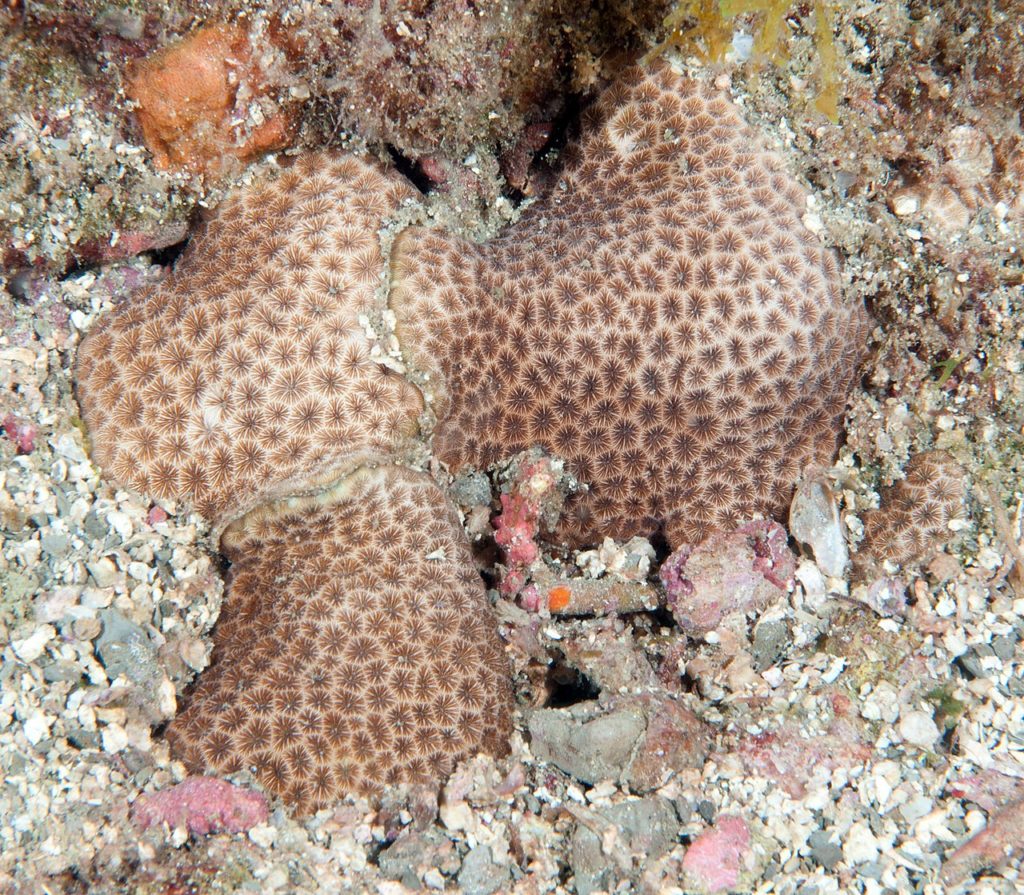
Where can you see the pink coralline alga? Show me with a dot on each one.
(997, 844)
(714, 860)
(990, 789)
(21, 432)
(790, 758)
(739, 570)
(532, 498)
(202, 805)
(516, 527)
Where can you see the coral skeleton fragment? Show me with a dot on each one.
(662, 321)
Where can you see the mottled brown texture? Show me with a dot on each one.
(355, 647)
(246, 375)
(913, 518)
(663, 320)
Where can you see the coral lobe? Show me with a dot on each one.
(663, 321)
(392, 671)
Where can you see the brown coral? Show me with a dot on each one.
(664, 322)
(915, 512)
(247, 374)
(376, 660)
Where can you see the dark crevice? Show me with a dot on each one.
(568, 686)
(661, 617)
(168, 256)
(18, 284)
(410, 170)
(565, 127)
(662, 548)
(516, 197)
(76, 267)
(550, 159)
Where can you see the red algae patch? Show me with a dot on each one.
(715, 859)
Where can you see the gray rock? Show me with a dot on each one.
(823, 850)
(814, 521)
(125, 648)
(470, 489)
(480, 875)
(871, 870)
(1004, 646)
(684, 809)
(639, 741)
(402, 859)
(95, 527)
(62, 670)
(81, 738)
(971, 660)
(598, 748)
(63, 502)
(648, 827)
(55, 545)
(413, 854)
(771, 637)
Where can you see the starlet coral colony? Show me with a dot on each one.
(662, 321)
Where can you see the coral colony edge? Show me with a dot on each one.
(662, 321)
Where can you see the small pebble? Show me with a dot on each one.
(36, 727)
(919, 729)
(32, 647)
(115, 738)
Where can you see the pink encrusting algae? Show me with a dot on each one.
(202, 805)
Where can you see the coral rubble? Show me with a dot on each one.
(191, 98)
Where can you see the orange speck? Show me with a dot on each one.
(558, 598)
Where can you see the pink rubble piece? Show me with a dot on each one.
(202, 805)
(995, 845)
(517, 526)
(990, 789)
(741, 570)
(714, 859)
(21, 432)
(792, 759)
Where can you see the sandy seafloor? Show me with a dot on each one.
(860, 752)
